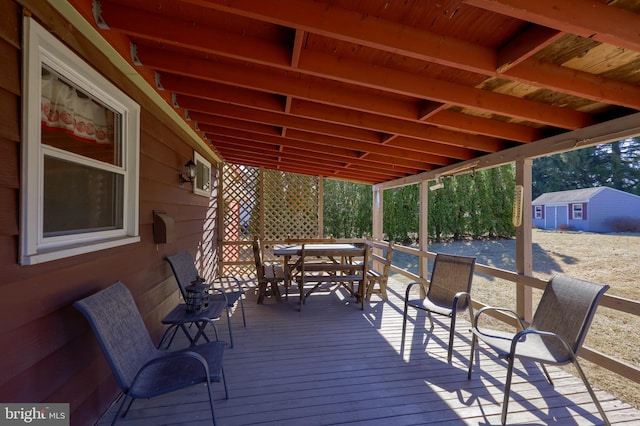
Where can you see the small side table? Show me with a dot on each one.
(180, 319)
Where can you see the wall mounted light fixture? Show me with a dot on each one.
(438, 185)
(190, 170)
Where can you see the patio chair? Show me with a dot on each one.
(229, 288)
(448, 292)
(268, 274)
(555, 335)
(140, 369)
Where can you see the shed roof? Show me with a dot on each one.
(378, 90)
(574, 195)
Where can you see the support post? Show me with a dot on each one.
(220, 219)
(423, 231)
(261, 184)
(320, 207)
(378, 214)
(524, 250)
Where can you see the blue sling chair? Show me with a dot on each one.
(140, 369)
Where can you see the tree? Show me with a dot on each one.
(616, 165)
(472, 204)
(347, 209)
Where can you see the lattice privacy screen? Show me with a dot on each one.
(270, 204)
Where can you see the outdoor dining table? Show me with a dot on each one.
(325, 252)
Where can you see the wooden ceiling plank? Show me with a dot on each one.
(578, 83)
(222, 92)
(257, 99)
(306, 141)
(429, 108)
(175, 32)
(525, 45)
(444, 118)
(305, 170)
(433, 148)
(394, 126)
(322, 65)
(586, 18)
(452, 120)
(257, 137)
(258, 146)
(390, 36)
(301, 159)
(252, 149)
(372, 148)
(339, 95)
(308, 162)
(332, 95)
(343, 24)
(296, 51)
(215, 108)
(253, 118)
(263, 129)
(410, 84)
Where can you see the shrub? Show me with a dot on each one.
(624, 224)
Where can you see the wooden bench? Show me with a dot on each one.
(380, 254)
(340, 267)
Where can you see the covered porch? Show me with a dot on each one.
(335, 364)
(386, 93)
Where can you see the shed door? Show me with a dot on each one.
(556, 217)
(550, 217)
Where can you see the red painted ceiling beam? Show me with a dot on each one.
(394, 126)
(314, 169)
(306, 142)
(243, 149)
(185, 34)
(428, 133)
(451, 120)
(331, 140)
(395, 38)
(586, 18)
(377, 165)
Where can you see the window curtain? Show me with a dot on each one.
(66, 109)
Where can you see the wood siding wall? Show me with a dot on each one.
(48, 351)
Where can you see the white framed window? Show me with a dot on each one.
(80, 155)
(202, 181)
(538, 212)
(577, 211)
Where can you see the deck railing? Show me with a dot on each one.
(613, 302)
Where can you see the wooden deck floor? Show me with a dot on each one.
(335, 364)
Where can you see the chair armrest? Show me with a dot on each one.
(228, 278)
(456, 299)
(223, 293)
(497, 309)
(409, 287)
(459, 296)
(236, 280)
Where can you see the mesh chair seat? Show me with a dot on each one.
(428, 305)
